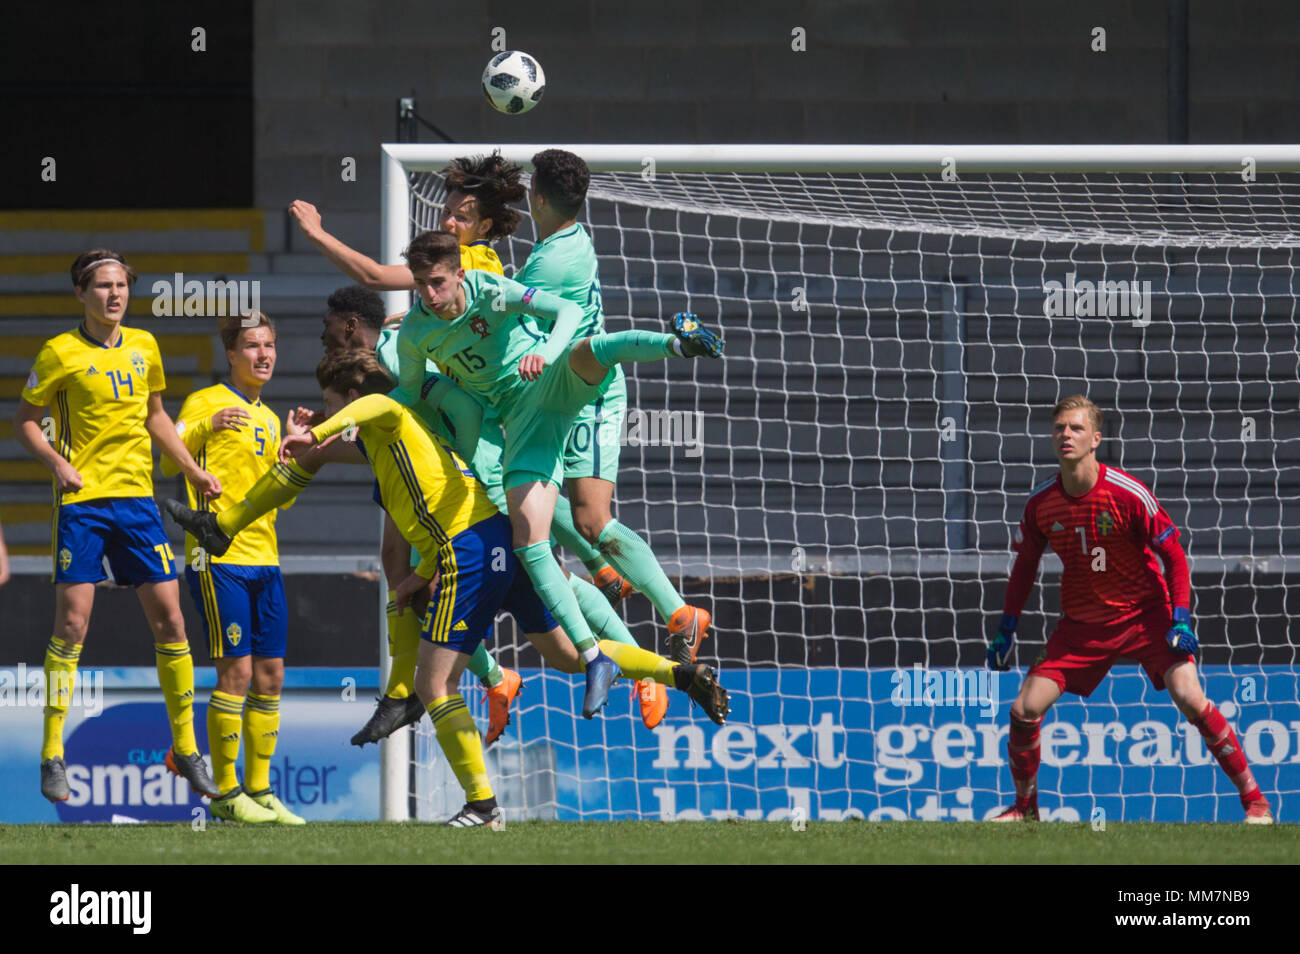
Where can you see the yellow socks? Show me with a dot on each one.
(261, 729)
(638, 663)
(225, 717)
(276, 487)
(176, 678)
(458, 736)
(60, 670)
(403, 648)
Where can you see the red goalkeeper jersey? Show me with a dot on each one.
(1108, 540)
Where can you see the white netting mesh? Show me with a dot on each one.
(869, 443)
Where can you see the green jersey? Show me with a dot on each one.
(564, 264)
(484, 344)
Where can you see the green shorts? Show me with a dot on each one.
(487, 459)
(596, 436)
(539, 420)
(486, 463)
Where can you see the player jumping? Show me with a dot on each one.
(240, 594)
(463, 541)
(104, 383)
(1108, 529)
(478, 324)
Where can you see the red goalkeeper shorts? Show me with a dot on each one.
(1078, 655)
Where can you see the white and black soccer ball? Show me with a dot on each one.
(513, 82)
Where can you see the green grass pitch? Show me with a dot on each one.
(853, 842)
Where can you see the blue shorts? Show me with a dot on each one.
(243, 609)
(127, 530)
(480, 577)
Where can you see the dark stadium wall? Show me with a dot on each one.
(328, 74)
(133, 106)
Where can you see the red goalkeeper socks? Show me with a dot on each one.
(1023, 753)
(1223, 745)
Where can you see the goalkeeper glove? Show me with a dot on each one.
(1180, 636)
(1000, 648)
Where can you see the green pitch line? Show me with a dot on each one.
(652, 843)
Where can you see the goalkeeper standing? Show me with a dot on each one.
(1108, 530)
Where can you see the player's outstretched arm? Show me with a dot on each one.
(566, 315)
(375, 409)
(361, 268)
(162, 429)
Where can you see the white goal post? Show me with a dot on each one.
(898, 320)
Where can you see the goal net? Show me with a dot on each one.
(841, 490)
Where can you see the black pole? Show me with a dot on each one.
(406, 119)
(1177, 84)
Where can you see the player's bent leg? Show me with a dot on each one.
(532, 504)
(436, 679)
(688, 626)
(279, 485)
(557, 650)
(1037, 694)
(697, 681)
(568, 536)
(1184, 685)
(592, 357)
(632, 557)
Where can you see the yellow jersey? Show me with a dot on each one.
(238, 458)
(99, 401)
(427, 490)
(480, 255)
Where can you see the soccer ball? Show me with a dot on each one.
(513, 82)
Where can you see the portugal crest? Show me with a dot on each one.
(479, 326)
(1105, 523)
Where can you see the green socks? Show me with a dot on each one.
(605, 623)
(633, 558)
(550, 584)
(568, 536)
(614, 348)
(482, 665)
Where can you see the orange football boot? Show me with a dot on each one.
(688, 628)
(614, 587)
(499, 698)
(654, 701)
